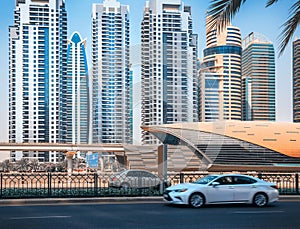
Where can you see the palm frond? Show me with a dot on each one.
(289, 27)
(271, 2)
(221, 12)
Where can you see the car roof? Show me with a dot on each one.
(233, 174)
(230, 174)
(143, 170)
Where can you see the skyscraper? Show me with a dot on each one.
(111, 73)
(169, 71)
(220, 75)
(37, 53)
(258, 79)
(296, 80)
(75, 116)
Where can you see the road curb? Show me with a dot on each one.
(104, 200)
(289, 197)
(78, 200)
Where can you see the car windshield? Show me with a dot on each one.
(206, 180)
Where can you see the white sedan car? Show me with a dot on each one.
(221, 189)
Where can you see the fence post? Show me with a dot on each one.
(95, 184)
(181, 177)
(259, 175)
(1, 185)
(297, 183)
(49, 184)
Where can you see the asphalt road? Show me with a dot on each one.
(284, 214)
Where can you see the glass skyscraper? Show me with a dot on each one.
(75, 116)
(220, 75)
(111, 73)
(169, 71)
(258, 79)
(296, 80)
(37, 57)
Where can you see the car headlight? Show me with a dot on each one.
(181, 190)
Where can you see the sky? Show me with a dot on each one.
(253, 17)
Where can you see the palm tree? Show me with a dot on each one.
(222, 12)
(6, 165)
(1, 167)
(34, 165)
(61, 166)
(23, 165)
(49, 167)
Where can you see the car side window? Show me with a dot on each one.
(148, 174)
(133, 174)
(227, 180)
(145, 174)
(130, 174)
(151, 175)
(243, 180)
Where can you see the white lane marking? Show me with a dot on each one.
(256, 212)
(41, 217)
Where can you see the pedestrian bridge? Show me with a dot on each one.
(135, 156)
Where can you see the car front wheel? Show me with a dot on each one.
(196, 200)
(260, 200)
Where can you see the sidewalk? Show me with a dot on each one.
(99, 200)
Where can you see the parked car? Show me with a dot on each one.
(221, 189)
(135, 179)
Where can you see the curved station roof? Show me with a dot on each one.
(240, 145)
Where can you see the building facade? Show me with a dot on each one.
(111, 73)
(75, 116)
(232, 145)
(169, 73)
(37, 53)
(296, 80)
(258, 79)
(220, 75)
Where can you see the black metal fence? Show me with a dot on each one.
(48, 185)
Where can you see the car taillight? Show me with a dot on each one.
(114, 179)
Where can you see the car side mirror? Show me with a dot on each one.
(214, 184)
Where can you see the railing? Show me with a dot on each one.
(286, 183)
(61, 185)
(43, 185)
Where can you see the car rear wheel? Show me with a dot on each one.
(260, 200)
(125, 185)
(196, 200)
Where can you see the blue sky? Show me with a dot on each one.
(253, 17)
